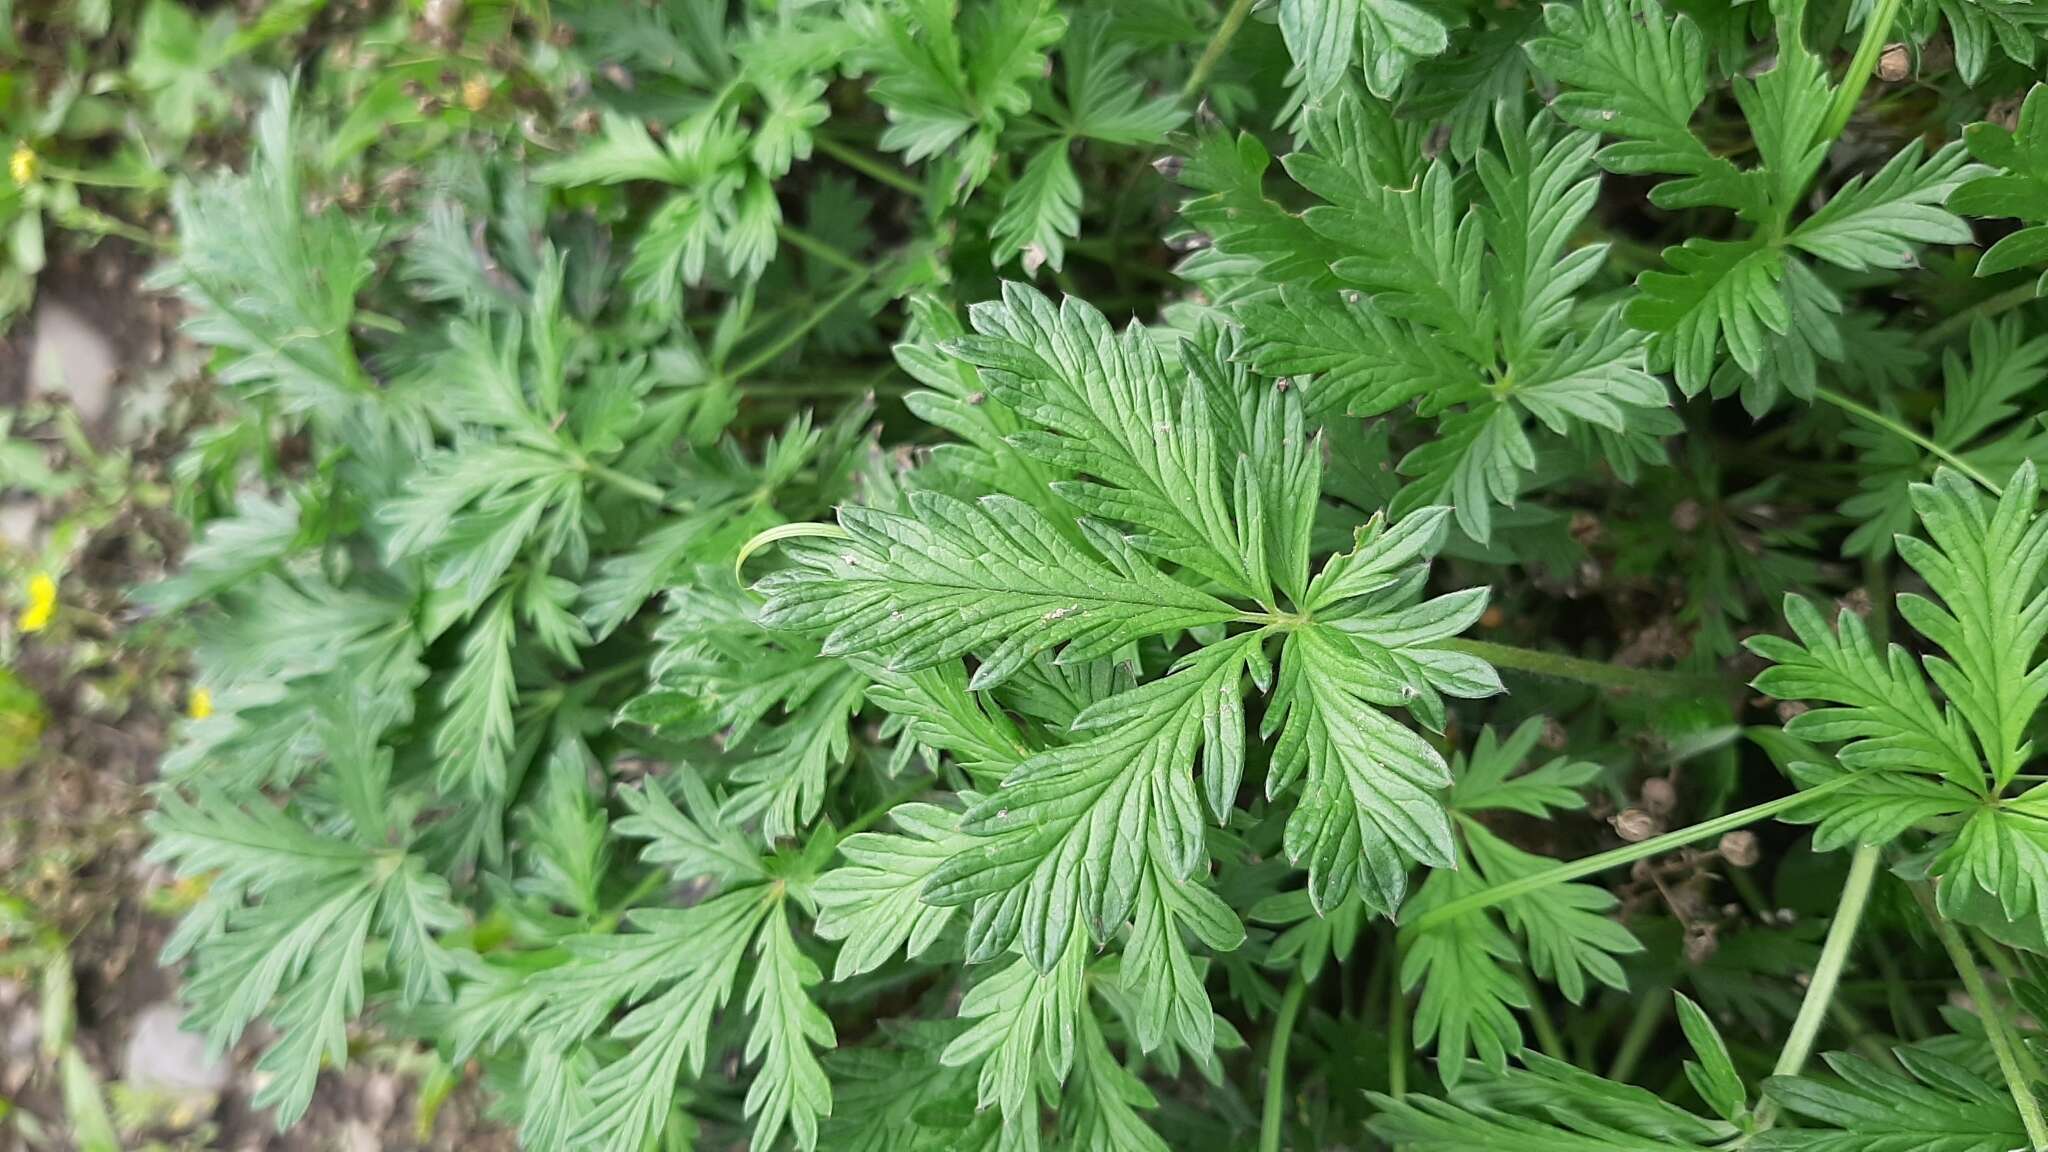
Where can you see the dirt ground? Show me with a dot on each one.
(77, 895)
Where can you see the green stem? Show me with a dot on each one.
(1626, 854)
(1593, 672)
(2016, 1080)
(1994, 952)
(874, 169)
(1642, 1028)
(609, 921)
(2007, 970)
(1218, 44)
(1276, 1064)
(782, 343)
(1861, 1037)
(631, 485)
(888, 804)
(1834, 953)
(1909, 434)
(1908, 1019)
(1996, 305)
(1397, 1026)
(823, 251)
(1548, 1039)
(1876, 28)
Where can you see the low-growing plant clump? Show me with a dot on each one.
(882, 576)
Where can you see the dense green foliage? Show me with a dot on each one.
(694, 630)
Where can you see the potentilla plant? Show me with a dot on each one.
(1373, 652)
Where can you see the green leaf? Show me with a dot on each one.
(625, 151)
(270, 286)
(2020, 189)
(1875, 811)
(1718, 293)
(1361, 360)
(694, 842)
(994, 578)
(783, 134)
(1065, 840)
(248, 849)
(2000, 851)
(177, 61)
(1160, 974)
(1981, 397)
(1984, 561)
(1488, 779)
(1787, 108)
(1713, 1075)
(694, 955)
(1631, 71)
(1040, 213)
(1883, 714)
(1874, 224)
(1548, 1106)
(1368, 806)
(789, 1086)
(1476, 462)
(1415, 250)
(1024, 1021)
(1394, 35)
(1564, 928)
(872, 903)
(1105, 100)
(1538, 193)
(1601, 380)
(1384, 37)
(1231, 209)
(1106, 408)
(1322, 38)
(1468, 992)
(475, 738)
(1106, 1099)
(1945, 1106)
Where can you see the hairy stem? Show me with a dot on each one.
(1988, 307)
(868, 166)
(631, 485)
(796, 332)
(1642, 1028)
(1911, 435)
(1876, 27)
(2016, 1079)
(1397, 1026)
(1218, 44)
(1593, 672)
(1834, 953)
(886, 805)
(1994, 952)
(1276, 1064)
(1908, 1019)
(1548, 1040)
(1626, 854)
(799, 238)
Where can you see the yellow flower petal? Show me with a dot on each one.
(21, 165)
(42, 603)
(200, 706)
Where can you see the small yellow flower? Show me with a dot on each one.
(200, 706)
(21, 165)
(42, 603)
(476, 92)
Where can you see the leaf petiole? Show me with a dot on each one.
(1276, 1064)
(2016, 1079)
(1627, 853)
